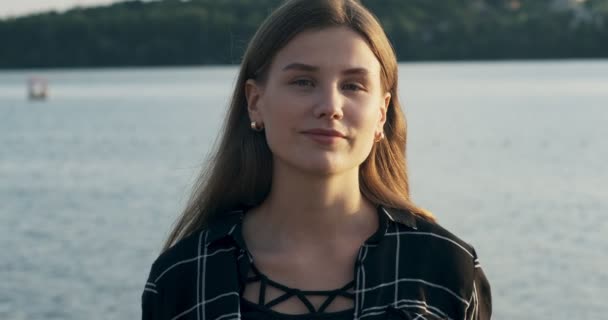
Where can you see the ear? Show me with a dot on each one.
(253, 93)
(383, 110)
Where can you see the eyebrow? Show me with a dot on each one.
(307, 67)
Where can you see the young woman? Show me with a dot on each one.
(304, 212)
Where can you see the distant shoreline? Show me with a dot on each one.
(203, 33)
(219, 66)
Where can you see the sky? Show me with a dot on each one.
(21, 7)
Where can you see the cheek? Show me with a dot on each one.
(367, 118)
(279, 116)
(280, 119)
(281, 110)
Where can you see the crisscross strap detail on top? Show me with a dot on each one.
(300, 294)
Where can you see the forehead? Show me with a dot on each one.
(328, 49)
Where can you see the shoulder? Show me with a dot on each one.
(171, 284)
(408, 224)
(208, 245)
(177, 260)
(436, 252)
(445, 239)
(197, 270)
(465, 275)
(431, 256)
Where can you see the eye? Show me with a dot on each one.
(353, 87)
(303, 83)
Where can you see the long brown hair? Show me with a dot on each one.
(239, 173)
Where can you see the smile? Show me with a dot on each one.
(324, 136)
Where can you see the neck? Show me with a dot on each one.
(303, 209)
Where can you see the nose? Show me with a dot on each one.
(330, 104)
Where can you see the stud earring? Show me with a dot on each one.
(379, 137)
(256, 127)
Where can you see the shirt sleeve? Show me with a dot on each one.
(151, 298)
(481, 298)
(150, 303)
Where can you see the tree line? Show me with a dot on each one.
(199, 32)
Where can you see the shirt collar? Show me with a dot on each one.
(225, 226)
(401, 216)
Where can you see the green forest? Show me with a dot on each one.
(200, 32)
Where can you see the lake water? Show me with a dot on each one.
(511, 156)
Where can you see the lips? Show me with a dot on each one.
(325, 132)
(324, 136)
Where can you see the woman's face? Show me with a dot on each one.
(322, 103)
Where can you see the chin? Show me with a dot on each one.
(321, 166)
(316, 162)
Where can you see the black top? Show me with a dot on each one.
(263, 309)
(252, 311)
(410, 268)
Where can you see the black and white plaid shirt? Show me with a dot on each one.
(409, 269)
